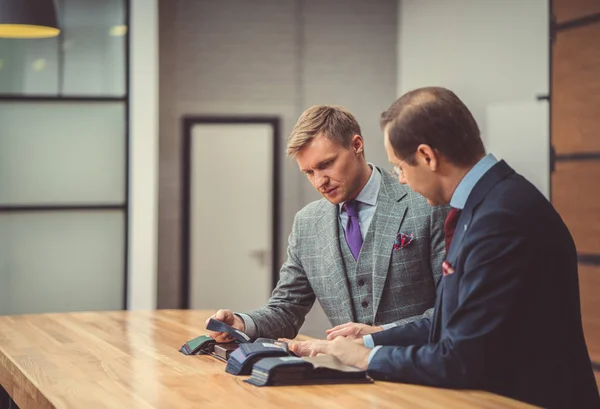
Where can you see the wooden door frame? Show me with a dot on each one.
(188, 123)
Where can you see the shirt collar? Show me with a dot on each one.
(368, 194)
(468, 182)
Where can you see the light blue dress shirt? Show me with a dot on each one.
(367, 203)
(458, 201)
(468, 182)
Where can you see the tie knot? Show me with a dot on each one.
(351, 207)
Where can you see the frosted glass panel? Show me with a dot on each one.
(29, 66)
(62, 153)
(94, 47)
(61, 261)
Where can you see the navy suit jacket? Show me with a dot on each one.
(508, 319)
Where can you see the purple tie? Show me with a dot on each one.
(353, 236)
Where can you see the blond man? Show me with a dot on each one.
(370, 250)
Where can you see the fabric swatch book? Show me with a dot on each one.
(205, 345)
(321, 369)
(199, 345)
(241, 360)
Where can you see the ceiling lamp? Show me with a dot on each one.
(28, 19)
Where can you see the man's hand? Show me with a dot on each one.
(229, 318)
(350, 352)
(351, 330)
(312, 347)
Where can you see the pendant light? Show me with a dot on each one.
(28, 19)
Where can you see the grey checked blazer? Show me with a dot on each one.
(403, 280)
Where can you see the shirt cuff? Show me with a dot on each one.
(373, 352)
(388, 326)
(250, 329)
(368, 341)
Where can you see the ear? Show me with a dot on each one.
(428, 156)
(357, 144)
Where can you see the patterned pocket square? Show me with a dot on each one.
(403, 240)
(447, 268)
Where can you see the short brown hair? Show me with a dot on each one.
(434, 116)
(334, 122)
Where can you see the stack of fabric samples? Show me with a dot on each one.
(241, 360)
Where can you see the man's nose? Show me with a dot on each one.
(321, 179)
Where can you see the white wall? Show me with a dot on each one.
(494, 55)
(143, 156)
(348, 58)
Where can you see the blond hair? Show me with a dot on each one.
(334, 122)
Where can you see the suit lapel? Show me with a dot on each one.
(387, 221)
(482, 187)
(329, 242)
(496, 173)
(451, 257)
(461, 227)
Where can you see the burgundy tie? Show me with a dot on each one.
(450, 226)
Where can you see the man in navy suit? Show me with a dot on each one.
(507, 316)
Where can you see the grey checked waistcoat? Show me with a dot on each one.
(360, 275)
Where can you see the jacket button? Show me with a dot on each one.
(361, 282)
(365, 304)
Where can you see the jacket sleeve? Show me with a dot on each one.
(412, 333)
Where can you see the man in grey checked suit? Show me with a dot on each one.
(370, 251)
